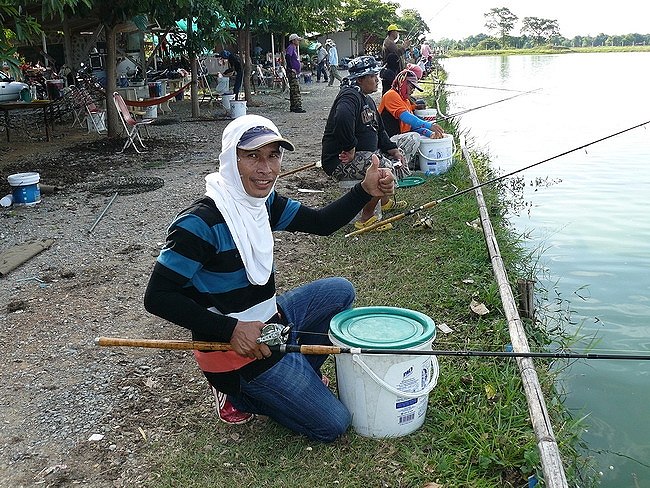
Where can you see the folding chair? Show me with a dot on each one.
(85, 107)
(78, 106)
(131, 126)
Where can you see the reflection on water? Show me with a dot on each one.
(592, 222)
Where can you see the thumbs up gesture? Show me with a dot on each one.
(378, 182)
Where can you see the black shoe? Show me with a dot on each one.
(298, 110)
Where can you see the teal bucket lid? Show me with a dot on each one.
(382, 328)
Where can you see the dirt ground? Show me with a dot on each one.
(75, 413)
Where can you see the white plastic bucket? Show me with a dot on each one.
(237, 108)
(386, 394)
(151, 112)
(25, 189)
(426, 114)
(226, 101)
(435, 155)
(223, 85)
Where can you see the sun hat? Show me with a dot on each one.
(259, 136)
(394, 27)
(416, 69)
(362, 66)
(293, 37)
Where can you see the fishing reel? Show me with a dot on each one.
(274, 334)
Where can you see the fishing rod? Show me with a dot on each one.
(326, 350)
(462, 112)
(292, 171)
(408, 213)
(433, 82)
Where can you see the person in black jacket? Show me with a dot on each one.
(354, 132)
(234, 66)
(389, 72)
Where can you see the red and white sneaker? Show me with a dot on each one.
(227, 412)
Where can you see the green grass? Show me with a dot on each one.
(476, 433)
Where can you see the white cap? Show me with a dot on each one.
(293, 37)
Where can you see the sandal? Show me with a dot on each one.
(372, 220)
(393, 204)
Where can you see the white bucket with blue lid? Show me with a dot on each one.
(387, 394)
(436, 155)
(25, 189)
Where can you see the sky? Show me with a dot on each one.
(458, 19)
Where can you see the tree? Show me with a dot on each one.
(542, 30)
(264, 15)
(19, 24)
(415, 26)
(369, 18)
(502, 21)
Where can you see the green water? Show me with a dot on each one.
(588, 210)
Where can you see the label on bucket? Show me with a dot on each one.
(435, 155)
(411, 380)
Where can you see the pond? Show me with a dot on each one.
(585, 217)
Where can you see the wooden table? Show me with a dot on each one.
(7, 107)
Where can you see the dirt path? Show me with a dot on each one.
(59, 389)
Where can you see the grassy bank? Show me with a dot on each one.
(477, 432)
(547, 50)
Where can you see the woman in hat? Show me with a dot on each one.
(402, 125)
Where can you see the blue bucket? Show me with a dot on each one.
(25, 189)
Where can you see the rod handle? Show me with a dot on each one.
(315, 349)
(163, 344)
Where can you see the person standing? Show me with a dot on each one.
(390, 45)
(215, 276)
(354, 136)
(333, 61)
(321, 63)
(389, 72)
(234, 66)
(293, 73)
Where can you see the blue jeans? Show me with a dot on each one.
(291, 392)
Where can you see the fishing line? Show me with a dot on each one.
(462, 112)
(488, 182)
(476, 346)
(427, 82)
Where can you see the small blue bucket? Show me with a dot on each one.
(25, 189)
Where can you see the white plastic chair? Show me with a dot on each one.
(131, 125)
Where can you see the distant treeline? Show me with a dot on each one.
(485, 42)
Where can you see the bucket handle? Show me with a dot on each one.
(435, 371)
(453, 150)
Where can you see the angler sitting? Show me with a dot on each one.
(215, 276)
(402, 125)
(354, 134)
